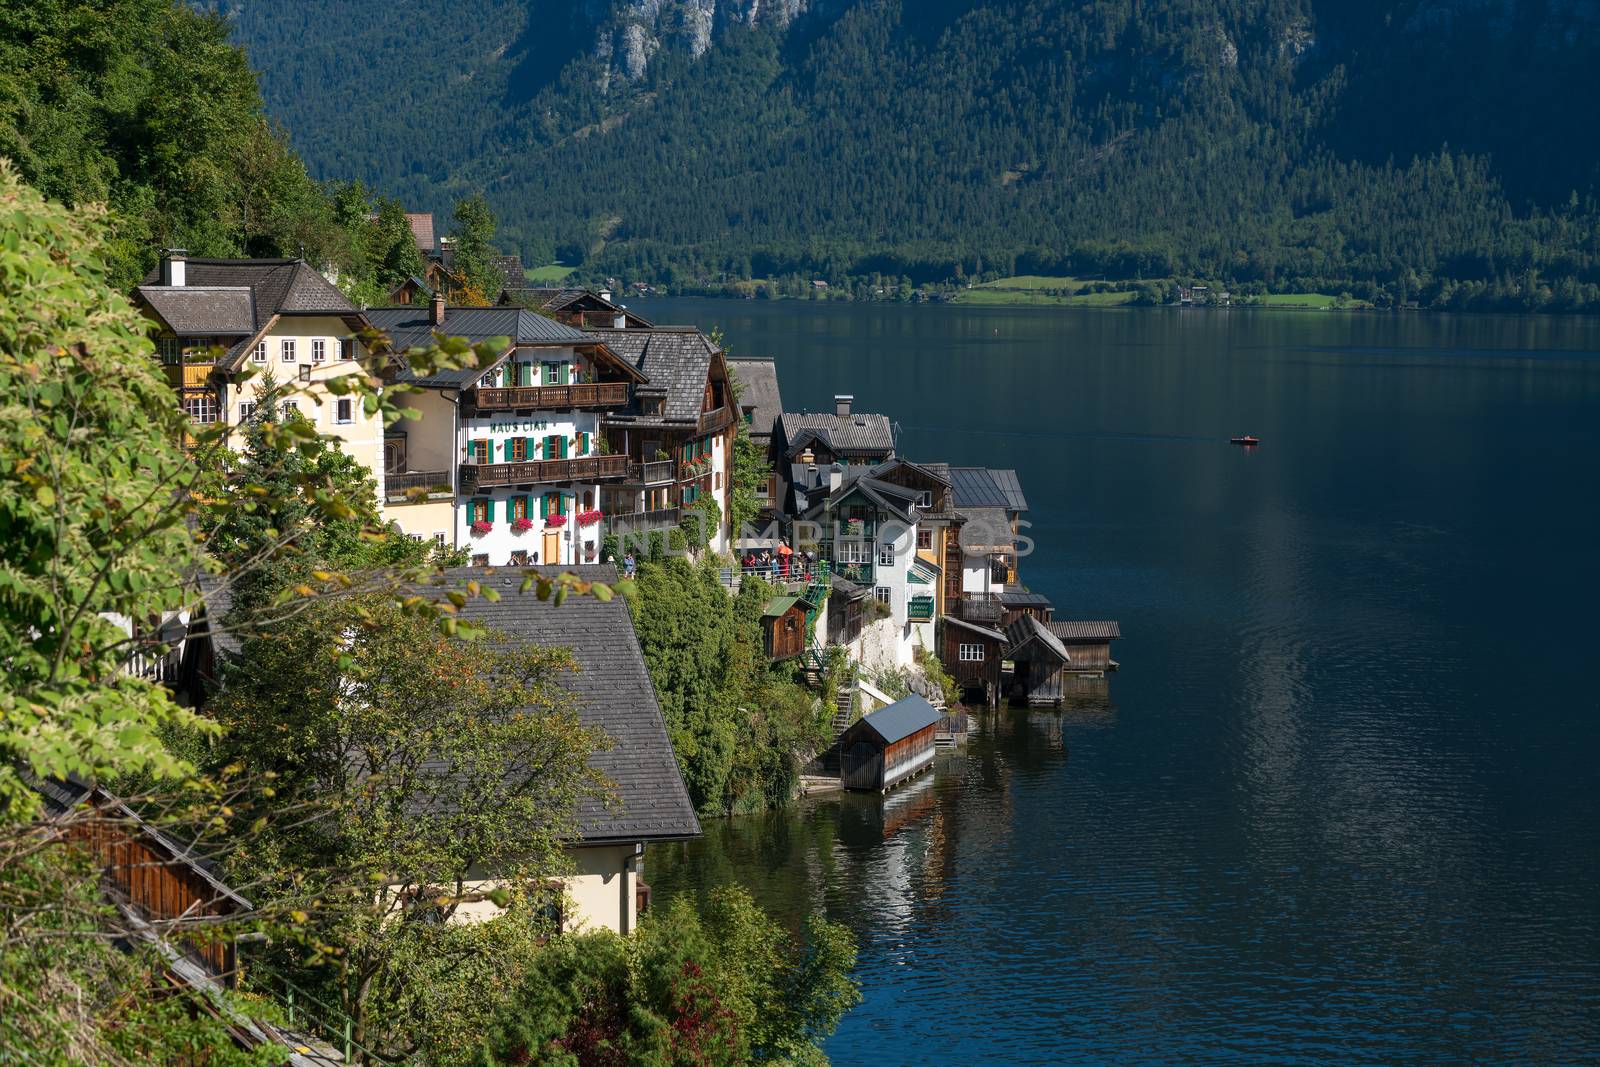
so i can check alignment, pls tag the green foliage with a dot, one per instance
(1297, 145)
(145, 106)
(436, 763)
(741, 727)
(92, 512)
(725, 987)
(474, 255)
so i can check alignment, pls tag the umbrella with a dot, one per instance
(785, 550)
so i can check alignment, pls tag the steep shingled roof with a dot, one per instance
(615, 694)
(1026, 630)
(203, 311)
(676, 360)
(1073, 630)
(280, 286)
(855, 434)
(412, 327)
(758, 389)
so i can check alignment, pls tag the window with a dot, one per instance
(971, 653)
(477, 451)
(343, 413)
(480, 559)
(882, 593)
(247, 410)
(319, 350)
(588, 552)
(171, 351)
(853, 551)
(201, 407)
(478, 511)
(347, 348)
(925, 499)
(286, 349)
(519, 507)
(518, 449)
(519, 558)
(305, 372)
(289, 408)
(555, 374)
(490, 380)
(555, 446)
(925, 539)
(438, 538)
(260, 353)
(886, 555)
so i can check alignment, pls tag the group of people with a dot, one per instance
(780, 563)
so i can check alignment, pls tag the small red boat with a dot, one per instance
(1247, 441)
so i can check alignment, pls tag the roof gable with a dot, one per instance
(203, 310)
(678, 361)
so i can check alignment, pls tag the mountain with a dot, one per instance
(1400, 148)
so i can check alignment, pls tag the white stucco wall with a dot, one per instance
(600, 891)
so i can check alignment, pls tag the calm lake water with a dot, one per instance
(1340, 804)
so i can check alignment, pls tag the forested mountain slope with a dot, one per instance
(1399, 145)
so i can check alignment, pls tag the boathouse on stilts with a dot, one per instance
(888, 746)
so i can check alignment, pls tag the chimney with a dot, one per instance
(812, 481)
(173, 262)
(835, 477)
(841, 404)
(436, 309)
(605, 294)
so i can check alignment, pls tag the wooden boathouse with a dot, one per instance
(885, 748)
(972, 655)
(1039, 661)
(1088, 643)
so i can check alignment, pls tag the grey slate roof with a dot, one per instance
(986, 631)
(1011, 487)
(675, 359)
(986, 528)
(902, 718)
(615, 695)
(895, 499)
(854, 434)
(1016, 598)
(281, 286)
(1071, 630)
(1026, 630)
(976, 488)
(203, 311)
(412, 327)
(758, 389)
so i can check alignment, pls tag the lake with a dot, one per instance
(1340, 803)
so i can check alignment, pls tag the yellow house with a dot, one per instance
(217, 320)
(650, 804)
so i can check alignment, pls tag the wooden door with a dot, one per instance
(552, 548)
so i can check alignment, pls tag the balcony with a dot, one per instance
(920, 609)
(657, 472)
(860, 573)
(982, 608)
(712, 421)
(397, 484)
(552, 397)
(476, 476)
(643, 521)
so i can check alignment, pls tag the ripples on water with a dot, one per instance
(1340, 805)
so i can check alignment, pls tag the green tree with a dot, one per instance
(438, 763)
(474, 261)
(725, 987)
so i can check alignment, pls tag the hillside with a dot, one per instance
(1398, 148)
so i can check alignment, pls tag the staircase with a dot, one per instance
(843, 704)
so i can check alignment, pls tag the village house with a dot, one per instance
(507, 460)
(676, 430)
(1038, 661)
(989, 505)
(760, 405)
(804, 442)
(1088, 642)
(583, 309)
(224, 328)
(615, 695)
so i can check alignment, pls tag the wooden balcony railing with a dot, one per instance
(981, 608)
(712, 421)
(588, 469)
(586, 395)
(656, 472)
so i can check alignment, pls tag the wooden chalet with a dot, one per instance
(888, 746)
(583, 309)
(783, 627)
(972, 655)
(1039, 661)
(164, 889)
(1088, 643)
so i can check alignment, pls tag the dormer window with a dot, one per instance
(925, 500)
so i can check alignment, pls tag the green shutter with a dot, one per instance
(488, 506)
(583, 444)
(563, 444)
(508, 450)
(527, 507)
(566, 374)
(544, 506)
